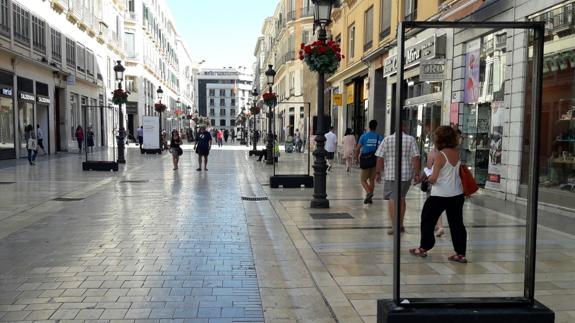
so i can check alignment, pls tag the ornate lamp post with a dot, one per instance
(270, 75)
(255, 96)
(322, 18)
(178, 120)
(160, 94)
(119, 72)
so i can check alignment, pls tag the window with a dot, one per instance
(213, 122)
(130, 45)
(222, 112)
(4, 18)
(368, 29)
(212, 103)
(81, 52)
(56, 45)
(410, 8)
(233, 103)
(222, 123)
(21, 21)
(233, 112)
(385, 23)
(70, 53)
(222, 102)
(89, 62)
(222, 92)
(212, 92)
(351, 41)
(305, 37)
(38, 35)
(212, 112)
(233, 123)
(232, 92)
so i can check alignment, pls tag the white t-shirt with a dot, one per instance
(330, 142)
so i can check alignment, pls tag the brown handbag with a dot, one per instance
(467, 181)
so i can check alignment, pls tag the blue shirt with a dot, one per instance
(369, 142)
(204, 140)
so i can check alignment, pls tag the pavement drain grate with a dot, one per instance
(330, 216)
(68, 199)
(254, 198)
(135, 181)
(7, 183)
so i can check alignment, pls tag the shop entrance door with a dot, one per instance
(25, 118)
(58, 119)
(42, 118)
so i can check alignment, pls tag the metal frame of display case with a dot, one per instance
(490, 309)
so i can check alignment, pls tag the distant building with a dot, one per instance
(222, 93)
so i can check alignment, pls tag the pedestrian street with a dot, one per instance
(150, 244)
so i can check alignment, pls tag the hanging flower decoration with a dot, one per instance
(255, 110)
(189, 117)
(119, 96)
(323, 57)
(178, 112)
(270, 99)
(160, 107)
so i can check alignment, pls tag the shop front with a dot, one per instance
(356, 105)
(26, 114)
(7, 130)
(557, 143)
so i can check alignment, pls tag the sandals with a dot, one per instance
(419, 252)
(457, 258)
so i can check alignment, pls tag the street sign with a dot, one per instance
(337, 100)
(432, 70)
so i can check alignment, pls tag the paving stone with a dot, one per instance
(113, 314)
(142, 313)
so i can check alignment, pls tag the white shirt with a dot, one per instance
(387, 150)
(39, 133)
(330, 142)
(140, 132)
(448, 182)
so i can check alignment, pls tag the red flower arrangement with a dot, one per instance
(189, 117)
(270, 99)
(119, 96)
(321, 57)
(160, 107)
(255, 110)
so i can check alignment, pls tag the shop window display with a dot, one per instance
(480, 117)
(6, 124)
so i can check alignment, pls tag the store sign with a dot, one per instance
(427, 49)
(7, 91)
(432, 70)
(71, 80)
(27, 97)
(132, 108)
(337, 98)
(43, 99)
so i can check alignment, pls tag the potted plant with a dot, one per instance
(119, 96)
(270, 99)
(160, 107)
(323, 57)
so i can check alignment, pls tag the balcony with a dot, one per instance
(559, 20)
(290, 16)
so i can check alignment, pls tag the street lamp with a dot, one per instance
(119, 73)
(255, 96)
(270, 75)
(160, 94)
(179, 117)
(322, 18)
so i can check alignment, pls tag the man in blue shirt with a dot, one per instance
(365, 153)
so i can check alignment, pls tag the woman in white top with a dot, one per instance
(348, 148)
(446, 195)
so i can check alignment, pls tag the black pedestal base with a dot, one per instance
(254, 152)
(464, 313)
(151, 151)
(291, 181)
(105, 166)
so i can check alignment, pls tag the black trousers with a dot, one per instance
(432, 209)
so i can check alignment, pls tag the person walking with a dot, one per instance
(141, 136)
(297, 141)
(219, 137)
(439, 230)
(410, 168)
(31, 144)
(226, 135)
(80, 138)
(365, 153)
(348, 146)
(40, 139)
(446, 195)
(90, 139)
(233, 135)
(330, 147)
(175, 149)
(202, 147)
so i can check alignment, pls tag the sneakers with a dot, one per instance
(368, 198)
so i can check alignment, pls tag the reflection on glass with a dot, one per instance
(6, 123)
(25, 117)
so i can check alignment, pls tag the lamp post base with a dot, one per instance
(319, 204)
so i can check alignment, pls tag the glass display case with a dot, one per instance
(474, 125)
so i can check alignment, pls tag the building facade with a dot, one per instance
(222, 94)
(56, 61)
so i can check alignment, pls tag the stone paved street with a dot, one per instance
(148, 244)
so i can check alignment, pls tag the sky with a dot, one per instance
(221, 32)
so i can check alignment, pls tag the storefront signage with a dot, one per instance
(132, 108)
(7, 91)
(427, 49)
(43, 99)
(27, 97)
(337, 98)
(432, 70)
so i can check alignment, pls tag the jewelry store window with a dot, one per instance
(480, 119)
